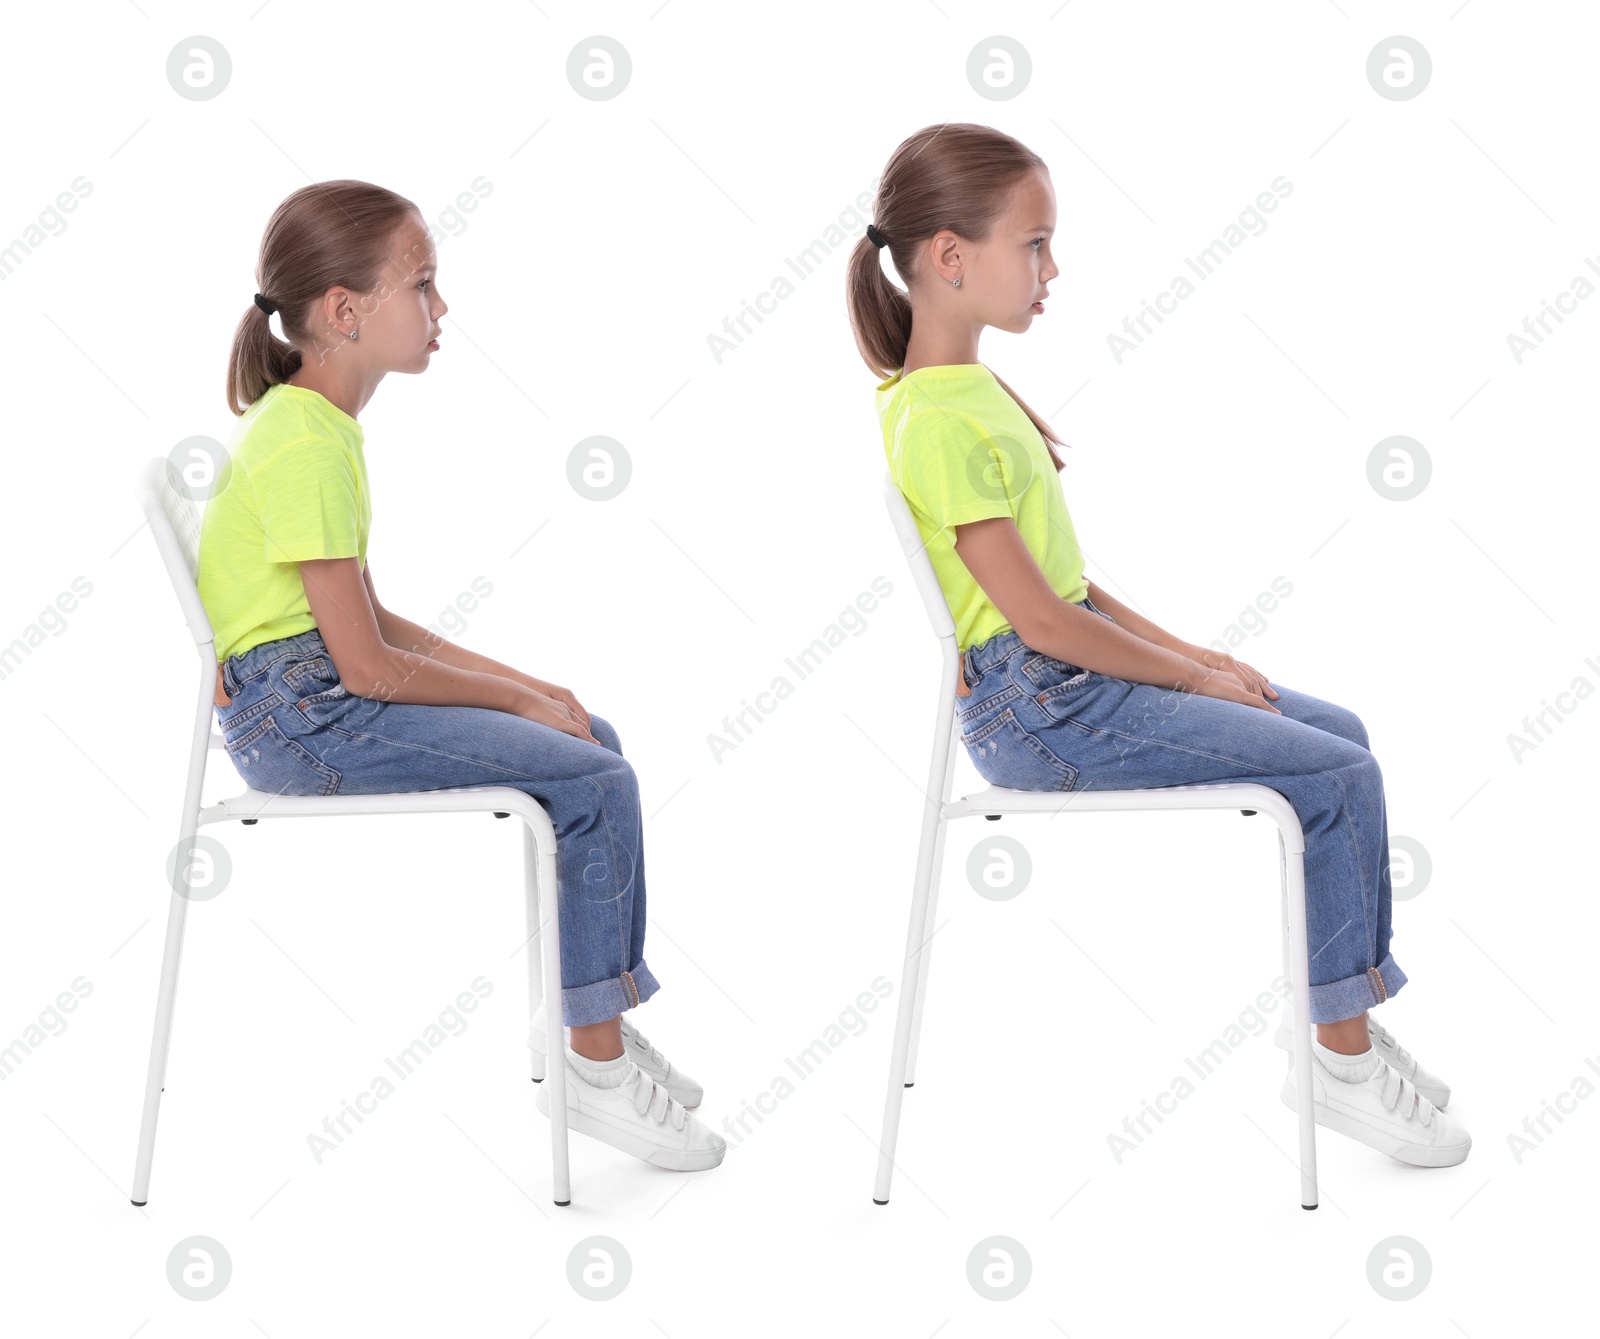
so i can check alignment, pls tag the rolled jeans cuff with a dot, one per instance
(605, 1000)
(1338, 1000)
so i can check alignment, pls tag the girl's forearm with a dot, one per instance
(404, 635)
(401, 676)
(1138, 624)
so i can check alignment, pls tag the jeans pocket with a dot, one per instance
(1045, 672)
(1065, 697)
(310, 675)
(268, 760)
(318, 695)
(1006, 754)
(977, 714)
(244, 711)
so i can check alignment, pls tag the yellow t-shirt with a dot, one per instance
(961, 449)
(295, 489)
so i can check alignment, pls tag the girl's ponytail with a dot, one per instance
(957, 176)
(259, 359)
(880, 313)
(326, 235)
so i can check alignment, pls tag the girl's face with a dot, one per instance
(400, 318)
(1010, 270)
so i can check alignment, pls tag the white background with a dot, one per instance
(1231, 449)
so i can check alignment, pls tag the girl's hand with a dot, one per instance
(564, 696)
(1228, 682)
(1251, 678)
(560, 694)
(547, 710)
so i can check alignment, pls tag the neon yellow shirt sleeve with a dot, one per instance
(308, 499)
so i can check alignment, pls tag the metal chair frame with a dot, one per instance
(175, 525)
(939, 810)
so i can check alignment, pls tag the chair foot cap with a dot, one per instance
(876, 1200)
(563, 1203)
(138, 1204)
(1308, 1206)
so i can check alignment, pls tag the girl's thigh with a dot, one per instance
(1328, 716)
(376, 747)
(1070, 729)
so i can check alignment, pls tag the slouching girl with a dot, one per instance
(323, 690)
(1063, 687)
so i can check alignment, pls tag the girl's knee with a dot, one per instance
(1341, 721)
(605, 732)
(1352, 728)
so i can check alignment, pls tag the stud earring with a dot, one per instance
(956, 282)
(354, 333)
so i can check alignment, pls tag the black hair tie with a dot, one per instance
(265, 306)
(875, 237)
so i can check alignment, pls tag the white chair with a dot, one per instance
(993, 801)
(175, 523)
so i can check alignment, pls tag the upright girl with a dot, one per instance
(322, 690)
(1063, 687)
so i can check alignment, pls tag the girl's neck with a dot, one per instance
(947, 352)
(340, 392)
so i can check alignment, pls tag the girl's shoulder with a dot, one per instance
(288, 416)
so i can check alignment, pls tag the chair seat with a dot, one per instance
(1209, 795)
(451, 799)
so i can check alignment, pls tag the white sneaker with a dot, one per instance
(1390, 1051)
(679, 1085)
(639, 1118)
(1385, 1112)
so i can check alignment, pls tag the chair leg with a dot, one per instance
(928, 925)
(1293, 869)
(933, 824)
(1283, 921)
(534, 946)
(541, 879)
(156, 1073)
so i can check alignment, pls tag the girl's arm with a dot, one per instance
(1141, 626)
(405, 635)
(1002, 564)
(368, 666)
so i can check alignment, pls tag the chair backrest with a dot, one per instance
(942, 765)
(175, 524)
(916, 553)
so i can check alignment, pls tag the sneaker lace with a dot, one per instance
(650, 1097)
(1399, 1093)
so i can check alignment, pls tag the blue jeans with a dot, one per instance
(292, 728)
(1037, 723)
